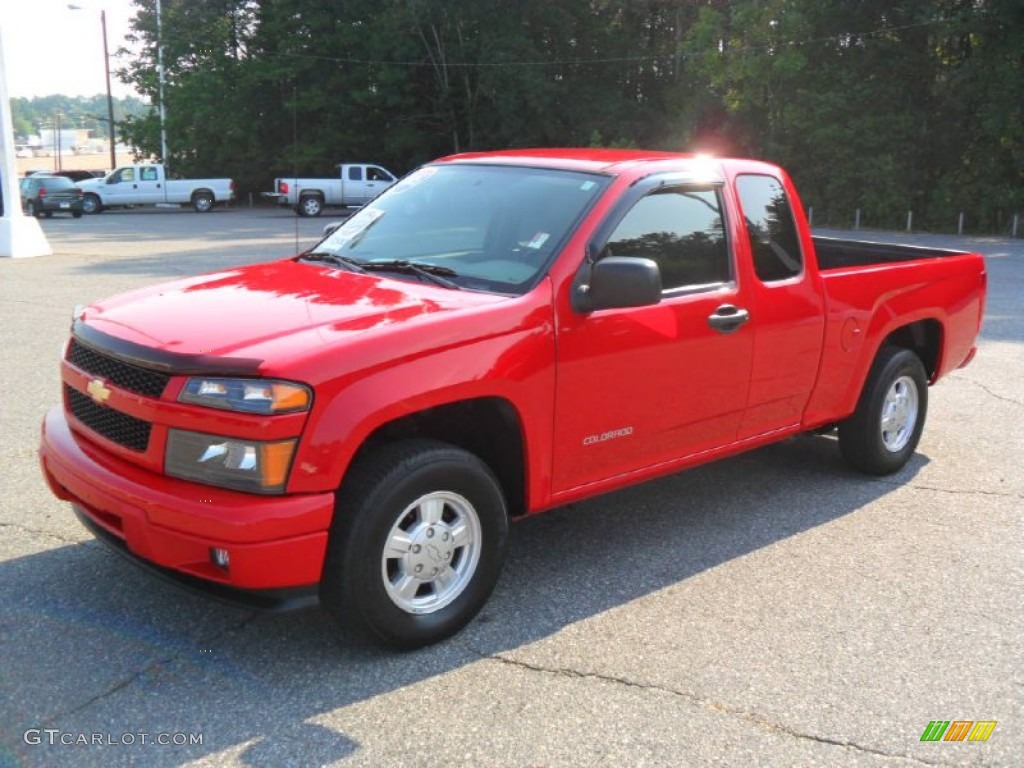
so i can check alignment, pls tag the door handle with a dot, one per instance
(727, 318)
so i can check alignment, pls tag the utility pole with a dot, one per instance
(110, 97)
(160, 71)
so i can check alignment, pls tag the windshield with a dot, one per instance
(492, 228)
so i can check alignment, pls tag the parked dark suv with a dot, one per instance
(47, 195)
(75, 176)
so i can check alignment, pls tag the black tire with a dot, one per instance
(76, 214)
(391, 495)
(310, 205)
(30, 209)
(203, 201)
(91, 204)
(883, 433)
(48, 214)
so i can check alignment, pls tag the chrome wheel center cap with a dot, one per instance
(431, 552)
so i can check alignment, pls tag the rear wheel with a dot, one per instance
(416, 546)
(883, 433)
(76, 214)
(309, 205)
(202, 201)
(30, 209)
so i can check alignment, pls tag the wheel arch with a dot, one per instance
(488, 427)
(923, 338)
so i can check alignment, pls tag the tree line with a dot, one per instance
(29, 115)
(878, 106)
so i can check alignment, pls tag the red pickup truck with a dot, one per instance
(496, 335)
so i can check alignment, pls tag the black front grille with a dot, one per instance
(125, 375)
(119, 427)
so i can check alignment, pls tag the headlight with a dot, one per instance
(264, 396)
(244, 465)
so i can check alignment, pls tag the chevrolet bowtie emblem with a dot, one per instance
(98, 391)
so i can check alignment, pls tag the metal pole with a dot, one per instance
(160, 71)
(960, 224)
(810, 216)
(57, 142)
(110, 97)
(856, 219)
(910, 220)
(1016, 220)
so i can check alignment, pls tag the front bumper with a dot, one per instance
(275, 542)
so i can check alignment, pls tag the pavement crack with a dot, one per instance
(953, 491)
(985, 387)
(130, 680)
(712, 706)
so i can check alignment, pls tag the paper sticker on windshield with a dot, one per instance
(538, 240)
(586, 186)
(356, 223)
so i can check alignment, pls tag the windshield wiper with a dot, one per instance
(352, 265)
(432, 272)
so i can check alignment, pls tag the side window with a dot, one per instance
(774, 243)
(377, 174)
(681, 229)
(148, 174)
(128, 174)
(355, 173)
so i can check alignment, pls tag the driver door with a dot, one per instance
(638, 387)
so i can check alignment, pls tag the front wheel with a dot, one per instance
(91, 204)
(416, 546)
(882, 434)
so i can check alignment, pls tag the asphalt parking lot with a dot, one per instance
(775, 609)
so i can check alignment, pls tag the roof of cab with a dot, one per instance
(592, 160)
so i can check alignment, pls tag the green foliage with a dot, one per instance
(872, 105)
(90, 112)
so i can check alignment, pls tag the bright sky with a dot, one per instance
(49, 48)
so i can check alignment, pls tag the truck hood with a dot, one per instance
(254, 313)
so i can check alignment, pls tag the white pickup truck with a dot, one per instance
(148, 185)
(356, 185)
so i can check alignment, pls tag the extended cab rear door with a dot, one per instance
(362, 183)
(786, 302)
(640, 386)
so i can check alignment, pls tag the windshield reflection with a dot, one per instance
(496, 228)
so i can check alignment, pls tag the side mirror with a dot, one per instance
(113, 179)
(617, 282)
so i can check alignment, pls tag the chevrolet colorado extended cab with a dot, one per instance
(496, 335)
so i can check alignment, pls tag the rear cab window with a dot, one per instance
(774, 241)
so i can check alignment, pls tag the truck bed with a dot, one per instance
(837, 253)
